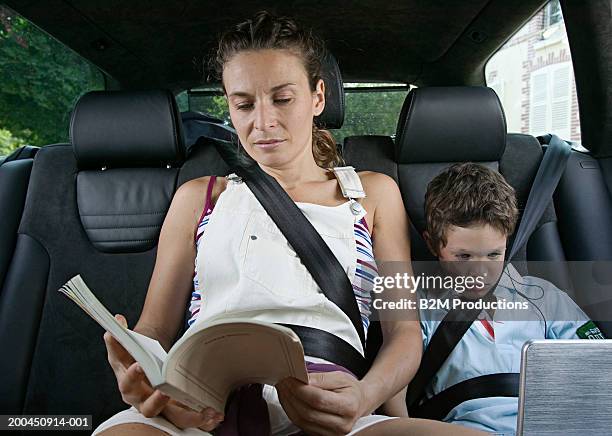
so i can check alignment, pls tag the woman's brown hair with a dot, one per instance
(265, 31)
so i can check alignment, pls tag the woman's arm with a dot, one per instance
(171, 282)
(164, 308)
(332, 402)
(400, 354)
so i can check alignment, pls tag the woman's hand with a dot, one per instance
(184, 417)
(329, 405)
(137, 391)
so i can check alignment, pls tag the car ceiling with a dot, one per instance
(154, 43)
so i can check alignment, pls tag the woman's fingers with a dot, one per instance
(211, 417)
(330, 380)
(131, 380)
(315, 397)
(135, 377)
(210, 424)
(137, 391)
(118, 357)
(121, 320)
(154, 404)
(308, 418)
(183, 417)
(134, 386)
(209, 411)
(292, 406)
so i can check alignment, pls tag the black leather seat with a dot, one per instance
(14, 177)
(439, 126)
(584, 197)
(198, 124)
(93, 208)
(332, 116)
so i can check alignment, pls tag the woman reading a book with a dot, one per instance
(270, 71)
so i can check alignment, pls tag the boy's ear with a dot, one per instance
(428, 242)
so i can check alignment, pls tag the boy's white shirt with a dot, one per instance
(479, 354)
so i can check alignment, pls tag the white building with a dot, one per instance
(533, 76)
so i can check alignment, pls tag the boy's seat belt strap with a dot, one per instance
(453, 326)
(447, 335)
(484, 386)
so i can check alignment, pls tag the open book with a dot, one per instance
(209, 361)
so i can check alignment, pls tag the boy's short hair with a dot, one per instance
(465, 194)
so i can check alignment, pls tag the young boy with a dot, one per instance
(471, 211)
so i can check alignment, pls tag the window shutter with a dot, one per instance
(560, 116)
(539, 103)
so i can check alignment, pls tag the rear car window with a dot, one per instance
(209, 100)
(533, 76)
(371, 108)
(40, 80)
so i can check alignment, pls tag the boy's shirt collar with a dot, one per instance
(510, 278)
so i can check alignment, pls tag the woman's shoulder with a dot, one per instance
(383, 198)
(195, 190)
(377, 184)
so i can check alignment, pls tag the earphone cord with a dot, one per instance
(531, 300)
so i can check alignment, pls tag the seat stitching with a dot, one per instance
(125, 240)
(125, 214)
(123, 227)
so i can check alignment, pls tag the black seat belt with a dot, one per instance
(316, 256)
(448, 334)
(489, 385)
(324, 345)
(457, 322)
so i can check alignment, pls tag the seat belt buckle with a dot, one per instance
(349, 181)
(234, 178)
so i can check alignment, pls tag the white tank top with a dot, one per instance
(245, 267)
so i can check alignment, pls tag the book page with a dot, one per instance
(220, 357)
(153, 346)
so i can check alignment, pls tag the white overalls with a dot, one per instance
(246, 268)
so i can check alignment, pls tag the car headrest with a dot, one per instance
(451, 124)
(126, 129)
(332, 116)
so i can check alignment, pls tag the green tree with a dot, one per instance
(371, 113)
(40, 80)
(8, 142)
(218, 108)
(213, 105)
